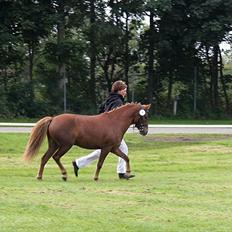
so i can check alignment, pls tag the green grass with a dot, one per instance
(183, 183)
(155, 120)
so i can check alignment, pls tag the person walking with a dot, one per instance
(114, 100)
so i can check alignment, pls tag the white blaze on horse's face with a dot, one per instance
(142, 112)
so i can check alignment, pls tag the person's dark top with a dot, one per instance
(113, 101)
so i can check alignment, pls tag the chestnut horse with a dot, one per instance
(104, 131)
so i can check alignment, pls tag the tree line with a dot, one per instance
(63, 55)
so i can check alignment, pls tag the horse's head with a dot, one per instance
(141, 119)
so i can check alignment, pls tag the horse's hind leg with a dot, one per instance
(62, 150)
(52, 147)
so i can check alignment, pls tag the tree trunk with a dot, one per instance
(60, 40)
(215, 78)
(92, 54)
(151, 59)
(31, 64)
(5, 79)
(31, 60)
(61, 37)
(169, 100)
(112, 68)
(106, 69)
(211, 78)
(106, 74)
(126, 56)
(223, 83)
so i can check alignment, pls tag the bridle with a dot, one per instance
(140, 122)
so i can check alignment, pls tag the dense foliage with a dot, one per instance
(63, 55)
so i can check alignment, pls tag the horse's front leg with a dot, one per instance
(101, 159)
(119, 153)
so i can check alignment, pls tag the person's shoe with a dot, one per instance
(75, 168)
(125, 176)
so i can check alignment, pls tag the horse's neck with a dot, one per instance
(124, 118)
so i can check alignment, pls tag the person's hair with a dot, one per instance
(118, 86)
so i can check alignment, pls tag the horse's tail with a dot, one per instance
(37, 136)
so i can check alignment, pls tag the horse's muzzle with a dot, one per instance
(144, 131)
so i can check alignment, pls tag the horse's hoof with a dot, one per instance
(39, 177)
(64, 178)
(95, 178)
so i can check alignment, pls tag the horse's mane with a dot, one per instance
(123, 106)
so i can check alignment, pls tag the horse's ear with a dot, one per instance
(147, 107)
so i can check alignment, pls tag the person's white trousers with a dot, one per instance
(86, 160)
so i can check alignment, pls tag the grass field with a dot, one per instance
(183, 183)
